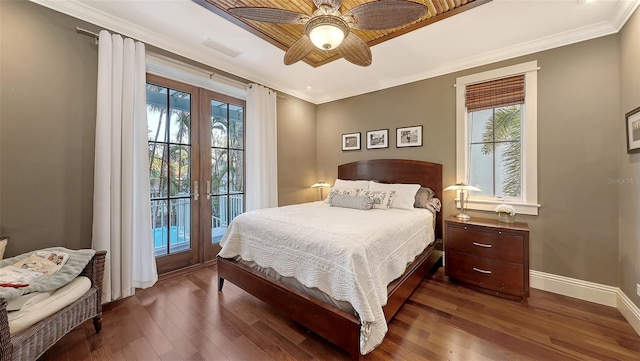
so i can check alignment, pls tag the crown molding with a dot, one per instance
(79, 10)
(99, 18)
(622, 13)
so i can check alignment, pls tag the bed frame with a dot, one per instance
(337, 326)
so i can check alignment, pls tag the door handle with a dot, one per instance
(196, 191)
(209, 194)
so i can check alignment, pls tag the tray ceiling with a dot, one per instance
(283, 36)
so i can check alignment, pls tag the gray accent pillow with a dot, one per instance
(423, 196)
(347, 201)
(381, 199)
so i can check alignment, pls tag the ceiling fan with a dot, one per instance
(329, 29)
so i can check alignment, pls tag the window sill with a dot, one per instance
(490, 205)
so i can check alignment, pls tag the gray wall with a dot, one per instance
(47, 126)
(296, 151)
(629, 164)
(47, 116)
(47, 131)
(576, 232)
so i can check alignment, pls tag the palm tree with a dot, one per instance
(504, 128)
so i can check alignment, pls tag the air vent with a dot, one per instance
(210, 43)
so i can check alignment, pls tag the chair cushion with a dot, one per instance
(59, 299)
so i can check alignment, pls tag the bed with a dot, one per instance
(326, 319)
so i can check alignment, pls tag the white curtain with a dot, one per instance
(121, 201)
(261, 148)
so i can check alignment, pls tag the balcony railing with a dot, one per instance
(176, 237)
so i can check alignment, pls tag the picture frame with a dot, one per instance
(632, 123)
(351, 141)
(409, 136)
(377, 139)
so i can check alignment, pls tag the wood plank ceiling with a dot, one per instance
(283, 35)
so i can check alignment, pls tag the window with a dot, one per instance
(496, 137)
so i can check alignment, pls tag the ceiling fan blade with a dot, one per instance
(270, 15)
(386, 14)
(355, 50)
(335, 4)
(298, 50)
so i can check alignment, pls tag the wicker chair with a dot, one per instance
(31, 343)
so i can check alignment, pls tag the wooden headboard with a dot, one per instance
(398, 171)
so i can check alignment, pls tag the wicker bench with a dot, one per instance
(32, 342)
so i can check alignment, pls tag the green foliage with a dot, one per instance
(504, 128)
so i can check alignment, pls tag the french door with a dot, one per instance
(196, 154)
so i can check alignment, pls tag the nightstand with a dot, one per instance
(488, 255)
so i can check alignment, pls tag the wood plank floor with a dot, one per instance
(185, 318)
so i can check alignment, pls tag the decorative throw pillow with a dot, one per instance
(347, 191)
(381, 199)
(356, 202)
(434, 205)
(3, 246)
(405, 195)
(352, 184)
(423, 196)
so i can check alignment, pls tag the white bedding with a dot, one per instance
(352, 255)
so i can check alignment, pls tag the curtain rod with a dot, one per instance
(86, 32)
(212, 74)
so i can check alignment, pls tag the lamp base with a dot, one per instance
(463, 216)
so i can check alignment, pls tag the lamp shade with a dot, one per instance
(321, 184)
(462, 186)
(326, 37)
(326, 31)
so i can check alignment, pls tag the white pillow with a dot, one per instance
(405, 195)
(353, 184)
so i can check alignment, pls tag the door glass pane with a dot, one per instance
(219, 181)
(180, 225)
(236, 205)
(158, 170)
(236, 127)
(180, 179)
(157, 106)
(180, 106)
(159, 217)
(219, 222)
(219, 129)
(236, 171)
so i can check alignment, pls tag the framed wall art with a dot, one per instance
(632, 123)
(351, 141)
(378, 139)
(409, 136)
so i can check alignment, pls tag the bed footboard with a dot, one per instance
(329, 322)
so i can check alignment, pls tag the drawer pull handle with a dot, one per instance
(482, 271)
(482, 245)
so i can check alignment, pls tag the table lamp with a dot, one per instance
(321, 185)
(462, 188)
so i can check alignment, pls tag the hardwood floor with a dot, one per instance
(185, 318)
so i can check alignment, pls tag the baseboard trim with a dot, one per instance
(583, 290)
(629, 310)
(588, 291)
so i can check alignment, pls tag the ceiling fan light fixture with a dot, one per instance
(326, 31)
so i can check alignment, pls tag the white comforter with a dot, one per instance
(352, 255)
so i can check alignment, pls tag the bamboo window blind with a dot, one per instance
(495, 93)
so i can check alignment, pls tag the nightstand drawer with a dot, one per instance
(485, 243)
(502, 277)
